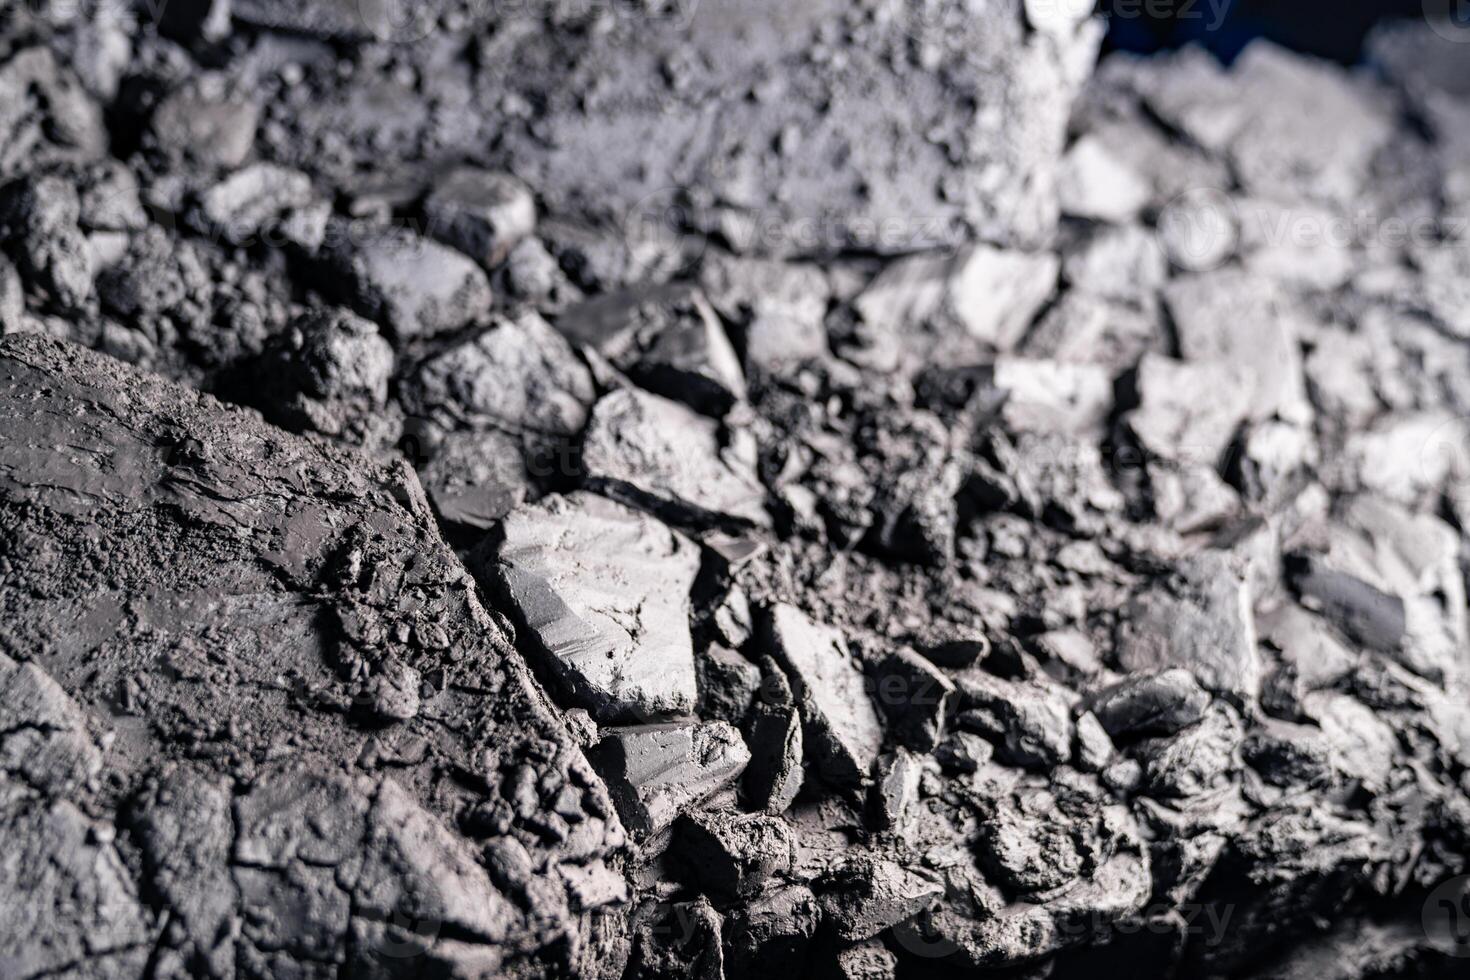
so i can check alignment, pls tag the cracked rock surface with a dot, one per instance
(727, 490)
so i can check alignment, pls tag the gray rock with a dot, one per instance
(771, 931)
(1172, 420)
(38, 222)
(666, 338)
(915, 697)
(259, 205)
(347, 20)
(1029, 722)
(774, 734)
(657, 772)
(1159, 704)
(213, 132)
(733, 854)
(80, 905)
(475, 479)
(1201, 619)
(481, 213)
(728, 684)
(328, 373)
(602, 591)
(651, 450)
(842, 730)
(989, 293)
(866, 896)
(520, 377)
(412, 286)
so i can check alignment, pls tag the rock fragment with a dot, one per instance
(1201, 620)
(603, 592)
(842, 730)
(666, 338)
(652, 450)
(480, 213)
(657, 772)
(414, 287)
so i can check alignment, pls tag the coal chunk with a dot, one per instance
(603, 591)
(410, 285)
(842, 730)
(653, 450)
(481, 213)
(666, 338)
(657, 772)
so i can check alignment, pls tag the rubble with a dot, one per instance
(838, 490)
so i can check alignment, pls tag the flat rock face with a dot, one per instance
(188, 564)
(651, 449)
(604, 593)
(656, 772)
(782, 146)
(843, 730)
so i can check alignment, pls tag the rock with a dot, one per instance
(681, 939)
(657, 452)
(210, 132)
(327, 373)
(870, 960)
(667, 339)
(38, 224)
(519, 377)
(264, 204)
(774, 734)
(1194, 759)
(80, 903)
(791, 171)
(915, 697)
(865, 896)
(771, 932)
(1151, 704)
(475, 479)
(1030, 724)
(1227, 317)
(345, 20)
(1172, 422)
(1200, 620)
(48, 115)
(728, 685)
(730, 854)
(1124, 265)
(44, 739)
(779, 308)
(657, 772)
(896, 790)
(841, 727)
(992, 294)
(1097, 185)
(481, 213)
(603, 593)
(309, 570)
(1094, 751)
(412, 286)
(1360, 745)
(1052, 397)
